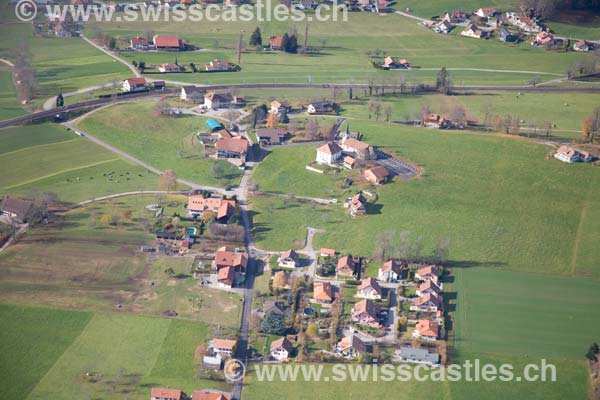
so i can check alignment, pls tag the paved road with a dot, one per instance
(135, 72)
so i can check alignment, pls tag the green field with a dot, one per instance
(428, 9)
(66, 355)
(48, 158)
(9, 105)
(483, 192)
(163, 142)
(524, 314)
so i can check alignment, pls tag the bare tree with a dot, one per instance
(168, 181)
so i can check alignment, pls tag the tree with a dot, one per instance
(442, 83)
(593, 351)
(168, 181)
(323, 40)
(458, 114)
(312, 330)
(591, 126)
(272, 120)
(291, 46)
(284, 119)
(280, 280)
(586, 134)
(273, 324)
(170, 272)
(217, 171)
(256, 38)
(60, 101)
(441, 250)
(387, 112)
(142, 66)
(312, 129)
(284, 41)
(126, 214)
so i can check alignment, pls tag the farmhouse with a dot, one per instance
(170, 68)
(134, 85)
(197, 204)
(219, 65)
(167, 42)
(320, 107)
(323, 292)
(18, 209)
(390, 271)
(138, 43)
(356, 148)
(272, 306)
(288, 259)
(351, 346)
(215, 101)
(369, 289)
(473, 31)
(329, 153)
(191, 93)
(281, 349)
(227, 257)
(419, 356)
(276, 42)
(523, 22)
(349, 162)
(377, 175)
(226, 277)
(356, 205)
(166, 394)
(280, 106)
(455, 16)
(443, 27)
(345, 266)
(210, 395)
(429, 302)
(570, 155)
(582, 45)
(365, 313)
(271, 136)
(391, 63)
(427, 330)
(435, 121)
(235, 147)
(505, 36)
(543, 39)
(222, 347)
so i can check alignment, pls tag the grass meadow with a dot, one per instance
(9, 104)
(47, 157)
(163, 142)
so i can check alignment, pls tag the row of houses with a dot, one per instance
(429, 300)
(176, 394)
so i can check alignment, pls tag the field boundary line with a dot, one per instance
(62, 172)
(39, 145)
(84, 330)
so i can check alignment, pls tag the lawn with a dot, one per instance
(507, 312)
(9, 104)
(163, 142)
(31, 341)
(483, 192)
(46, 157)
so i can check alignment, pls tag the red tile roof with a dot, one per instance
(238, 144)
(166, 41)
(162, 393)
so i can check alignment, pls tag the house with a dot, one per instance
(281, 349)
(139, 43)
(219, 65)
(323, 292)
(288, 259)
(523, 22)
(223, 347)
(345, 266)
(227, 257)
(356, 148)
(455, 16)
(170, 68)
(215, 101)
(419, 356)
(191, 93)
(273, 306)
(443, 27)
(473, 31)
(543, 39)
(430, 302)
(325, 252)
(158, 85)
(356, 205)
(485, 12)
(226, 277)
(391, 63)
(211, 395)
(427, 330)
(223, 208)
(166, 394)
(377, 175)
(134, 85)
(320, 107)
(280, 106)
(428, 287)
(435, 121)
(369, 289)
(582, 45)
(505, 36)
(365, 313)
(235, 147)
(390, 271)
(349, 162)
(329, 153)
(17, 209)
(276, 42)
(351, 346)
(428, 272)
(167, 42)
(271, 136)
(569, 155)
